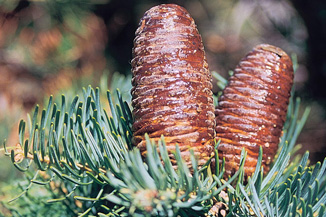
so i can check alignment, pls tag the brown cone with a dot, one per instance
(253, 107)
(172, 88)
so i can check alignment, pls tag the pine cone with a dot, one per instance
(253, 107)
(172, 86)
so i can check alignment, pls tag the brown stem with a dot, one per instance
(19, 156)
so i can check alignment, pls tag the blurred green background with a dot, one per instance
(59, 46)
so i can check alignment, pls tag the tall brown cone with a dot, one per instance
(172, 86)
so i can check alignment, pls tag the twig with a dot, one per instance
(19, 156)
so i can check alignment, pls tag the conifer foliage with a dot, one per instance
(84, 149)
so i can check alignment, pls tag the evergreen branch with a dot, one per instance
(154, 188)
(70, 143)
(18, 152)
(82, 146)
(87, 150)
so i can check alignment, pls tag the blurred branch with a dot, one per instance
(314, 16)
